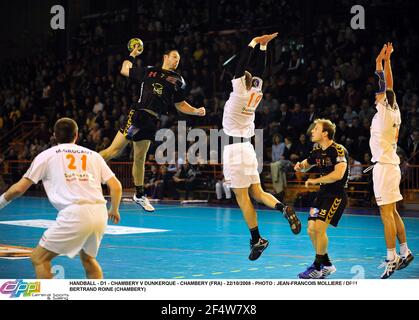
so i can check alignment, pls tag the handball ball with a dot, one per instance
(133, 42)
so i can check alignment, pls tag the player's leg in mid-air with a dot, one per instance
(138, 169)
(140, 128)
(258, 194)
(116, 148)
(257, 243)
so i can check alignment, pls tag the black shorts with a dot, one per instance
(328, 209)
(140, 125)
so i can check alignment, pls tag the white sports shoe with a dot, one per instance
(144, 203)
(390, 267)
(327, 271)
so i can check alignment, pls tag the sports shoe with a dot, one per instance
(390, 267)
(405, 261)
(256, 249)
(295, 224)
(327, 270)
(144, 203)
(311, 273)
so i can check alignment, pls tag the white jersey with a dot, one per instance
(385, 133)
(71, 174)
(239, 110)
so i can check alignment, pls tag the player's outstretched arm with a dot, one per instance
(387, 66)
(15, 191)
(246, 54)
(261, 61)
(186, 108)
(128, 63)
(379, 72)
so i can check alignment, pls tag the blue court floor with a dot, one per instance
(203, 242)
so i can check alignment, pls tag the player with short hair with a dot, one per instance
(72, 177)
(386, 173)
(239, 157)
(332, 160)
(159, 89)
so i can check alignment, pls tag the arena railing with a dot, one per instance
(359, 191)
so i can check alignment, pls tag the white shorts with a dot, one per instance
(78, 227)
(240, 165)
(386, 179)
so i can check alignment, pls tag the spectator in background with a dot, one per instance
(185, 179)
(352, 97)
(290, 148)
(278, 148)
(349, 115)
(303, 147)
(312, 113)
(337, 82)
(154, 176)
(366, 111)
(163, 183)
(98, 107)
(413, 145)
(355, 172)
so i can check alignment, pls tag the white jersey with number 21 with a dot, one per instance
(71, 174)
(239, 110)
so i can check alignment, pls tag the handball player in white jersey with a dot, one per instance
(386, 173)
(72, 176)
(240, 165)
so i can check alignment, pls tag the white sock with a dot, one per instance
(404, 250)
(391, 254)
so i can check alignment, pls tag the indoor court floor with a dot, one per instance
(204, 242)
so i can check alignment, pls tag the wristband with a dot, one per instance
(131, 59)
(381, 82)
(253, 44)
(3, 201)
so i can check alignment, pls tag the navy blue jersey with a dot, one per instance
(326, 160)
(158, 89)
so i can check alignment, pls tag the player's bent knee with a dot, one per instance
(37, 257)
(258, 195)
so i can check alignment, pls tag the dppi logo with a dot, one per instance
(18, 287)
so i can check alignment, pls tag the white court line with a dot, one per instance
(113, 230)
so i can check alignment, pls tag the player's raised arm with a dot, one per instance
(246, 54)
(128, 63)
(261, 61)
(387, 66)
(379, 72)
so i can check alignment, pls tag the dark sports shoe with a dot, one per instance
(256, 249)
(295, 223)
(405, 261)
